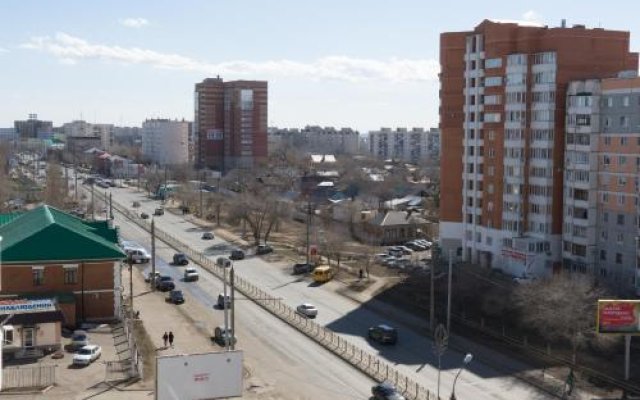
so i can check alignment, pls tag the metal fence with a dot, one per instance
(31, 376)
(369, 364)
(133, 366)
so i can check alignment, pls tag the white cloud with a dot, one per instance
(134, 22)
(3, 50)
(532, 16)
(67, 47)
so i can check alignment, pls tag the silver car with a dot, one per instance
(307, 310)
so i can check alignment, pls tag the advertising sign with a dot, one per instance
(26, 306)
(199, 376)
(619, 316)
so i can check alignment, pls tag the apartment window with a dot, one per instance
(490, 188)
(544, 77)
(607, 122)
(609, 101)
(620, 219)
(622, 160)
(603, 255)
(492, 99)
(516, 79)
(620, 238)
(618, 258)
(517, 59)
(492, 135)
(493, 81)
(607, 140)
(625, 101)
(492, 117)
(622, 181)
(8, 337)
(548, 57)
(493, 63)
(620, 199)
(70, 274)
(491, 170)
(605, 197)
(38, 276)
(606, 160)
(605, 217)
(624, 122)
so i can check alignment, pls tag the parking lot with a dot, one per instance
(413, 255)
(73, 382)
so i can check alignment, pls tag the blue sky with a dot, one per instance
(344, 63)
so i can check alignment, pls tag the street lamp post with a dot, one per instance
(467, 359)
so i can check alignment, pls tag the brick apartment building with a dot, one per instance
(230, 124)
(502, 113)
(47, 253)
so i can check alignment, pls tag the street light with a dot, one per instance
(467, 359)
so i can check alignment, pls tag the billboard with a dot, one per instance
(199, 376)
(619, 316)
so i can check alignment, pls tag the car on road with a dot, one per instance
(236, 255)
(207, 236)
(144, 215)
(302, 268)
(87, 354)
(223, 262)
(223, 336)
(135, 204)
(384, 334)
(180, 259)
(386, 391)
(264, 249)
(158, 211)
(322, 274)
(191, 274)
(79, 338)
(307, 310)
(222, 301)
(138, 256)
(151, 276)
(165, 283)
(175, 297)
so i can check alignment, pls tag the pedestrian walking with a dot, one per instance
(361, 273)
(171, 339)
(165, 337)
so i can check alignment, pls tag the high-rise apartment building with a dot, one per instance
(602, 168)
(32, 128)
(230, 125)
(502, 111)
(83, 128)
(315, 139)
(402, 144)
(166, 142)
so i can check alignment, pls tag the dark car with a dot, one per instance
(223, 302)
(237, 255)
(302, 268)
(165, 283)
(135, 204)
(159, 211)
(207, 236)
(384, 334)
(224, 336)
(386, 391)
(180, 259)
(144, 215)
(176, 297)
(264, 249)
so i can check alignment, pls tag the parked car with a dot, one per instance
(207, 236)
(87, 354)
(223, 302)
(165, 283)
(264, 249)
(135, 204)
(191, 274)
(223, 336)
(302, 268)
(158, 211)
(236, 255)
(223, 262)
(386, 391)
(151, 277)
(175, 297)
(405, 250)
(180, 259)
(396, 252)
(79, 338)
(144, 215)
(384, 334)
(307, 310)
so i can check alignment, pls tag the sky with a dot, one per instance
(363, 64)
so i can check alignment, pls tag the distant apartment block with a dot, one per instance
(32, 128)
(315, 139)
(502, 120)
(106, 132)
(602, 166)
(230, 125)
(165, 142)
(411, 146)
(7, 134)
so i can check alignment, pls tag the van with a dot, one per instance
(322, 274)
(223, 262)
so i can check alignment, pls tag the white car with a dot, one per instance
(139, 255)
(191, 274)
(405, 250)
(307, 310)
(87, 354)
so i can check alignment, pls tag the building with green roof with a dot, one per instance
(47, 252)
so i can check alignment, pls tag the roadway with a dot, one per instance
(412, 355)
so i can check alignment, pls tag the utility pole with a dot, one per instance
(130, 262)
(166, 192)
(432, 303)
(75, 186)
(226, 309)
(93, 210)
(308, 227)
(201, 178)
(110, 205)
(449, 291)
(153, 255)
(233, 308)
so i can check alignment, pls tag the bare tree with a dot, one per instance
(260, 212)
(561, 308)
(56, 190)
(334, 241)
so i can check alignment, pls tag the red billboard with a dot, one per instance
(619, 316)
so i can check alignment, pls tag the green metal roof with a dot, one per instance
(6, 218)
(47, 234)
